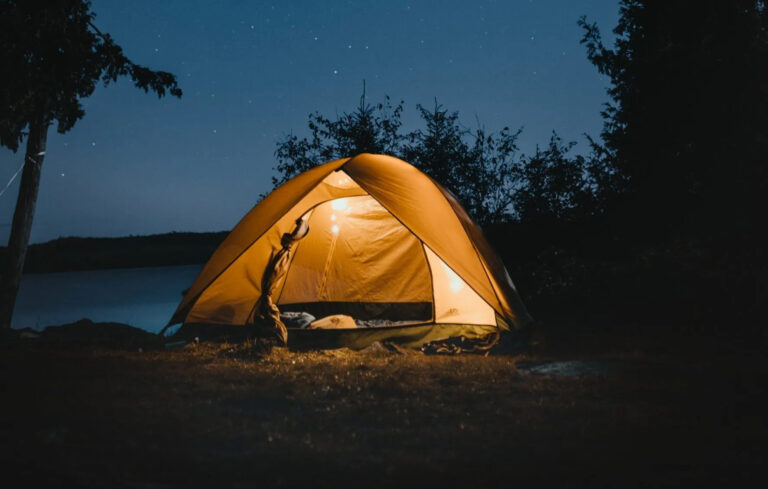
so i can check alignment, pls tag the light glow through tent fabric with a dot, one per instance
(382, 237)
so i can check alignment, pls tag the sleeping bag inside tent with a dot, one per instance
(354, 251)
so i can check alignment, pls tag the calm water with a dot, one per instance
(141, 297)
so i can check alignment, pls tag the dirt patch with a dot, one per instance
(225, 415)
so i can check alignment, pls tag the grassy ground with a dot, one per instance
(666, 413)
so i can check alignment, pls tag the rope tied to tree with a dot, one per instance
(13, 177)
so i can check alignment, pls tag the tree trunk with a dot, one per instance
(22, 221)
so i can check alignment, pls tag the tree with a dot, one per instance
(440, 149)
(555, 188)
(491, 181)
(369, 129)
(479, 172)
(475, 166)
(552, 184)
(484, 170)
(51, 56)
(688, 117)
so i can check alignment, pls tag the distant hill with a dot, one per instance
(69, 254)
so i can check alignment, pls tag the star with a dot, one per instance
(335, 72)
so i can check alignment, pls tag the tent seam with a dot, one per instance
(431, 275)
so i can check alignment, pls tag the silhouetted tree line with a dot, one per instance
(157, 250)
(687, 131)
(486, 171)
(687, 124)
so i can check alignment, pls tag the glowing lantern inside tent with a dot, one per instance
(339, 204)
(400, 230)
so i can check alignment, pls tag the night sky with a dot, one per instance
(251, 73)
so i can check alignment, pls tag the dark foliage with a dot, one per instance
(368, 129)
(687, 131)
(688, 120)
(52, 56)
(485, 171)
(478, 167)
(555, 188)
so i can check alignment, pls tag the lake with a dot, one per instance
(142, 297)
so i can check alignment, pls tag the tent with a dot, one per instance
(369, 237)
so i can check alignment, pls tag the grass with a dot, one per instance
(668, 412)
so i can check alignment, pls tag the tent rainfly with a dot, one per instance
(371, 241)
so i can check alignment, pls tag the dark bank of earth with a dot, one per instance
(663, 412)
(86, 333)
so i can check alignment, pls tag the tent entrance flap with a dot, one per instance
(265, 311)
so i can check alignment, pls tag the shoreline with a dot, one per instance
(71, 254)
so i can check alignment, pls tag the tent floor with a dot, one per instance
(409, 336)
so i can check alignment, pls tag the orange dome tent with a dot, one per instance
(384, 241)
